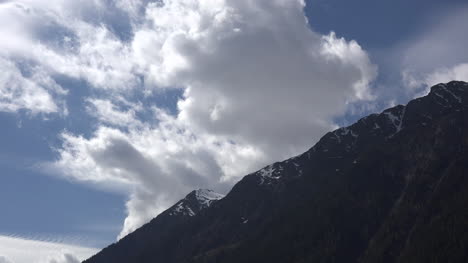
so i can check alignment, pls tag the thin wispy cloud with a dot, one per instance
(17, 250)
(438, 54)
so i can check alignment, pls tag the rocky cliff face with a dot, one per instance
(392, 187)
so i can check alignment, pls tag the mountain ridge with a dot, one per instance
(361, 194)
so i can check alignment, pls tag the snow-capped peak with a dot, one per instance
(195, 202)
(205, 197)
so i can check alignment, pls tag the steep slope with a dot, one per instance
(390, 188)
(129, 248)
(193, 203)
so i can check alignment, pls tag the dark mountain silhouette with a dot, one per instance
(392, 187)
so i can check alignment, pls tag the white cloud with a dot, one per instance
(424, 81)
(458, 72)
(34, 92)
(438, 54)
(15, 250)
(62, 37)
(259, 85)
(90, 40)
(155, 164)
(109, 113)
(64, 258)
(249, 64)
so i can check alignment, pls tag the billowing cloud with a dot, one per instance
(248, 64)
(258, 85)
(156, 164)
(439, 75)
(458, 72)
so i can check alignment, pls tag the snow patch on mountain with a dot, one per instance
(444, 89)
(205, 197)
(274, 172)
(195, 202)
(396, 119)
(268, 173)
(182, 209)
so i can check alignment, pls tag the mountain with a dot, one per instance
(193, 203)
(393, 187)
(131, 247)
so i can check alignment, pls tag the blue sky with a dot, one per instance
(110, 111)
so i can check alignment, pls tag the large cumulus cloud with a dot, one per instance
(254, 70)
(155, 164)
(258, 85)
